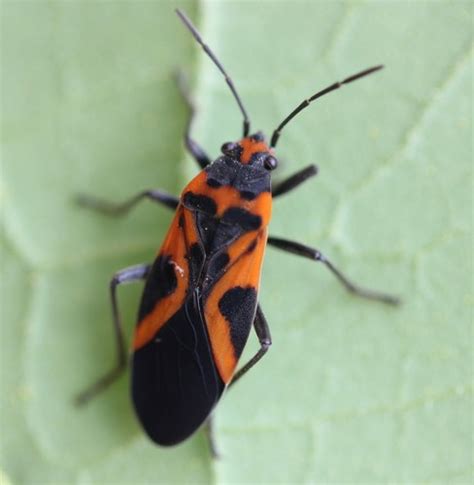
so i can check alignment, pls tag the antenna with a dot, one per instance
(307, 102)
(214, 59)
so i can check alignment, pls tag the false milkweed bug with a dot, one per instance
(201, 293)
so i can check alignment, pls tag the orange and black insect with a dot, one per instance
(200, 299)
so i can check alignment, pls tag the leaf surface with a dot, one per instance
(351, 391)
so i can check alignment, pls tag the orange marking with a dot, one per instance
(250, 146)
(239, 246)
(244, 273)
(175, 245)
(224, 197)
(227, 196)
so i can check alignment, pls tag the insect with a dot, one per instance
(200, 298)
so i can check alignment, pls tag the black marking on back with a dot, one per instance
(200, 203)
(213, 234)
(207, 227)
(222, 171)
(161, 282)
(214, 183)
(225, 235)
(242, 218)
(249, 180)
(248, 195)
(216, 266)
(195, 258)
(238, 306)
(252, 181)
(251, 247)
(175, 384)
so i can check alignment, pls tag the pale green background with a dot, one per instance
(351, 391)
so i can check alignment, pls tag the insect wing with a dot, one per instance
(175, 383)
(230, 307)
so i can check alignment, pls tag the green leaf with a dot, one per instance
(351, 391)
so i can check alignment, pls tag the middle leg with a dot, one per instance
(316, 255)
(121, 208)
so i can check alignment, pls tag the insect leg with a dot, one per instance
(127, 275)
(316, 255)
(294, 180)
(121, 208)
(196, 151)
(263, 333)
(264, 337)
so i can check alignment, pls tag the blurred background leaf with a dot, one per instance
(351, 391)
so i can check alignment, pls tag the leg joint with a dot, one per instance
(115, 281)
(319, 256)
(265, 344)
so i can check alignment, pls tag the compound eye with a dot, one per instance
(270, 163)
(228, 148)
